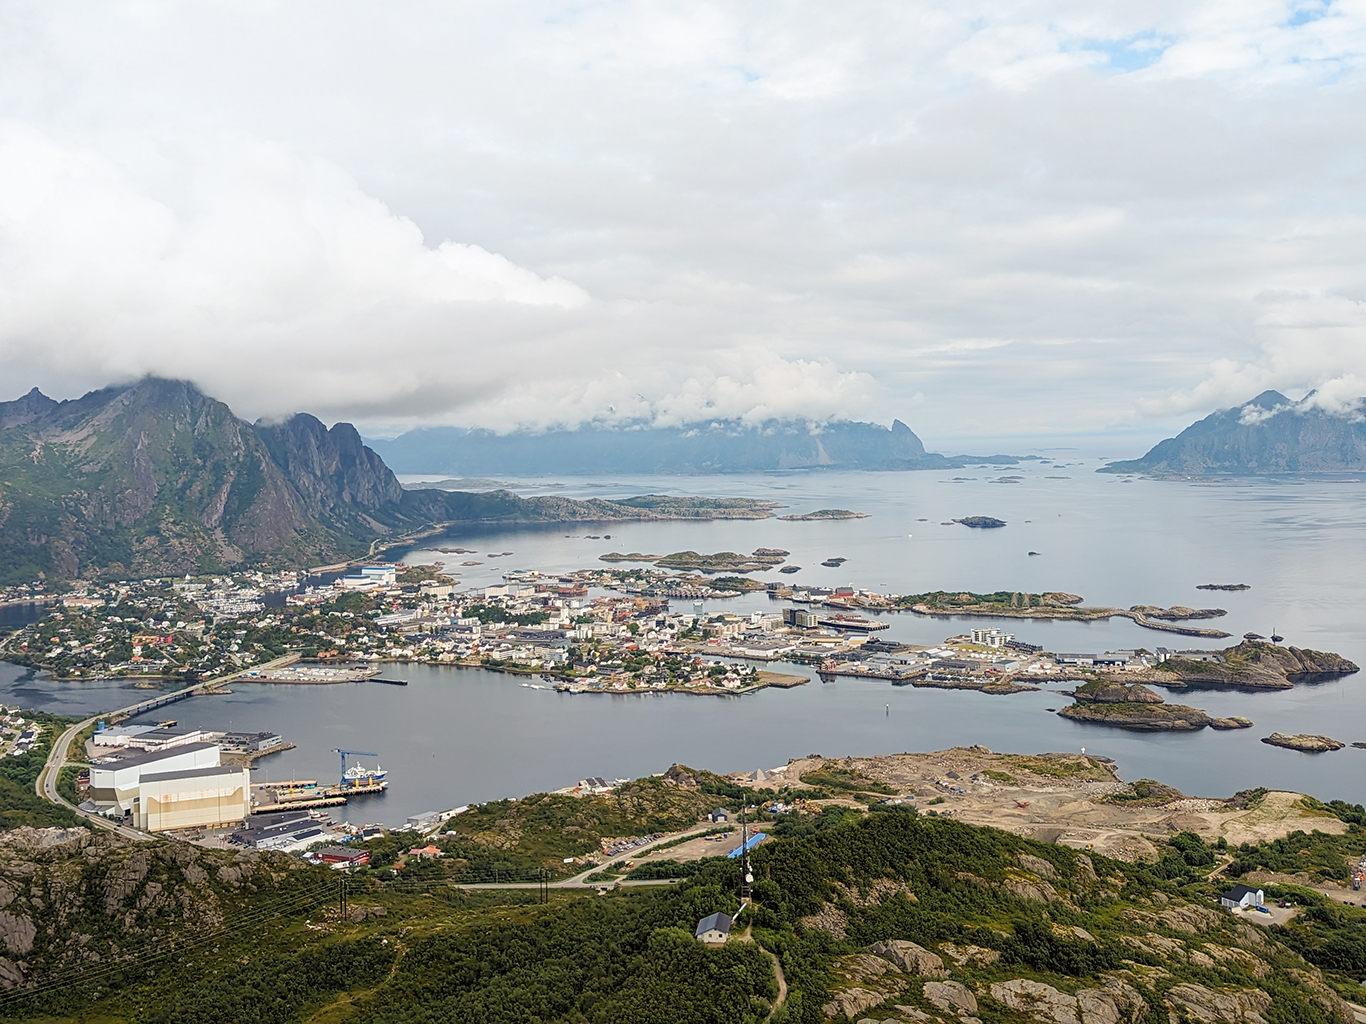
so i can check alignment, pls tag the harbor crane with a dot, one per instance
(351, 753)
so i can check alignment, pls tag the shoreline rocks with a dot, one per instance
(1139, 717)
(1306, 742)
(981, 522)
(1232, 722)
(1258, 665)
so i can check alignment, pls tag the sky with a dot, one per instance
(1037, 218)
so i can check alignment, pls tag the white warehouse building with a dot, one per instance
(114, 786)
(193, 798)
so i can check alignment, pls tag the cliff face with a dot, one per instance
(332, 470)
(75, 900)
(1270, 434)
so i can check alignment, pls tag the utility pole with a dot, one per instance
(746, 876)
(341, 895)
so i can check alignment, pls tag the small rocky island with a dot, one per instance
(822, 514)
(981, 522)
(1309, 744)
(1223, 586)
(1132, 706)
(722, 561)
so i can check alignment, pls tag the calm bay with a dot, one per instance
(456, 736)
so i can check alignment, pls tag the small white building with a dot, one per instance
(714, 929)
(1240, 897)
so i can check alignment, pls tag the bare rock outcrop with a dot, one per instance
(1199, 1003)
(1232, 722)
(17, 932)
(964, 956)
(950, 995)
(1037, 865)
(1117, 1003)
(908, 956)
(852, 1002)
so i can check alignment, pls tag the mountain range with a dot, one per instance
(1270, 434)
(723, 446)
(156, 478)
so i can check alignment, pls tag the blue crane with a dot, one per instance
(351, 753)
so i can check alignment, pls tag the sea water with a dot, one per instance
(455, 736)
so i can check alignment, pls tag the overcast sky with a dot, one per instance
(987, 218)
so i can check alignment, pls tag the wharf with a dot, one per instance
(242, 757)
(304, 793)
(298, 805)
(310, 675)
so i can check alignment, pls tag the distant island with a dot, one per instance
(825, 513)
(1268, 435)
(715, 446)
(1223, 586)
(981, 522)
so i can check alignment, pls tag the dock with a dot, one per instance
(304, 793)
(390, 682)
(858, 622)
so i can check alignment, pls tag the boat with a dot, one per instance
(359, 775)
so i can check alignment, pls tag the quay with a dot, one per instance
(302, 793)
(311, 674)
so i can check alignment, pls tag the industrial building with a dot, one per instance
(286, 831)
(114, 785)
(193, 798)
(179, 787)
(249, 742)
(150, 737)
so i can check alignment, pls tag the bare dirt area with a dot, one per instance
(695, 849)
(1072, 799)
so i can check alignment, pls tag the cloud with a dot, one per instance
(1037, 217)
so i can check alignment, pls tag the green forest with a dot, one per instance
(827, 888)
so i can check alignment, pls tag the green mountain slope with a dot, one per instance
(155, 479)
(881, 916)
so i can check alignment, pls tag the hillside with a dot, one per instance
(718, 447)
(1269, 434)
(881, 915)
(156, 478)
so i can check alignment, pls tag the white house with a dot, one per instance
(714, 929)
(1240, 897)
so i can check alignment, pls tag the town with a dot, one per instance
(592, 630)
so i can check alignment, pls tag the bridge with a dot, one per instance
(46, 786)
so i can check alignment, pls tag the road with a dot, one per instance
(46, 786)
(581, 878)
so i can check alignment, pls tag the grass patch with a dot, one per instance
(846, 780)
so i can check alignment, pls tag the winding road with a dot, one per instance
(46, 785)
